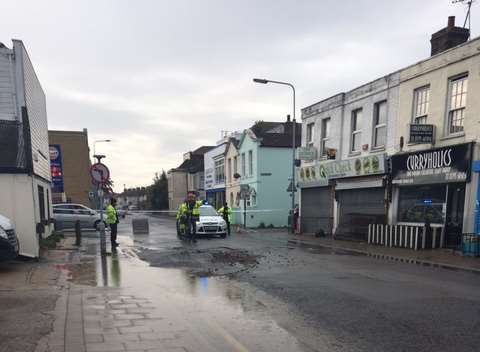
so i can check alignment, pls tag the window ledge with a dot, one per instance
(377, 149)
(452, 136)
(354, 154)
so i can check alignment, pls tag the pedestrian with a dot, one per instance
(190, 212)
(226, 213)
(112, 221)
(296, 215)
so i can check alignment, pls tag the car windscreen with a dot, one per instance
(208, 211)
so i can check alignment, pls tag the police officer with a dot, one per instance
(226, 213)
(189, 211)
(112, 221)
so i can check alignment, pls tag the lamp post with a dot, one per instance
(100, 141)
(293, 188)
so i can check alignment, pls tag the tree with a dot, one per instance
(157, 193)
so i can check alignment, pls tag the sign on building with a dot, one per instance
(440, 165)
(422, 133)
(56, 168)
(307, 153)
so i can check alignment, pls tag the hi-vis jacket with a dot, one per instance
(184, 207)
(226, 214)
(111, 215)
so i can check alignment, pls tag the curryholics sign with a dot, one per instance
(363, 166)
(421, 133)
(440, 165)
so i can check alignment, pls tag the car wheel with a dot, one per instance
(223, 235)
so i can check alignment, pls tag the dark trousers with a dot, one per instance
(228, 227)
(113, 234)
(193, 229)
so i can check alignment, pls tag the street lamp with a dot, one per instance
(293, 189)
(100, 141)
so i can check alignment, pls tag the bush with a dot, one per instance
(262, 225)
(270, 226)
(51, 241)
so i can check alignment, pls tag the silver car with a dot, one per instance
(210, 222)
(67, 214)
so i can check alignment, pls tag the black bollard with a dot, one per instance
(78, 233)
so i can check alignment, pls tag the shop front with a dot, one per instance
(216, 197)
(429, 187)
(360, 195)
(316, 200)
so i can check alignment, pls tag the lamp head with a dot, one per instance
(260, 80)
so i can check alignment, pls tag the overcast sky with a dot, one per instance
(160, 78)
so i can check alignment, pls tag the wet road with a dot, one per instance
(256, 292)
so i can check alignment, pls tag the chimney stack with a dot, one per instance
(448, 37)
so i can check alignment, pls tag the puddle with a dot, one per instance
(215, 314)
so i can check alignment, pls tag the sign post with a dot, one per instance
(100, 175)
(244, 193)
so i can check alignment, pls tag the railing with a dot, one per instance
(406, 236)
(471, 244)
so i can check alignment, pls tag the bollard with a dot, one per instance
(103, 241)
(140, 226)
(78, 233)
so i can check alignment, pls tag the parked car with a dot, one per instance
(67, 214)
(209, 223)
(8, 240)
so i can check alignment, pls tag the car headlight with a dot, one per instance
(199, 223)
(223, 223)
(3, 234)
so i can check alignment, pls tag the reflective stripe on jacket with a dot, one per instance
(226, 214)
(183, 209)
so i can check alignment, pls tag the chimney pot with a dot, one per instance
(288, 118)
(451, 21)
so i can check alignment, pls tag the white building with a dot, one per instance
(25, 193)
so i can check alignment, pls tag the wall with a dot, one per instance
(76, 164)
(17, 204)
(35, 102)
(177, 188)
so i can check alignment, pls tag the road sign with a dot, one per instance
(99, 173)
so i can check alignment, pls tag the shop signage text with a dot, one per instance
(448, 164)
(321, 173)
(208, 178)
(421, 133)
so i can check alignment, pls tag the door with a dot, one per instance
(454, 216)
(357, 209)
(316, 210)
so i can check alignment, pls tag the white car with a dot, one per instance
(210, 222)
(8, 239)
(67, 214)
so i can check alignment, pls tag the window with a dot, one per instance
(253, 198)
(235, 165)
(243, 165)
(310, 133)
(229, 171)
(325, 136)
(250, 162)
(420, 203)
(356, 130)
(232, 201)
(421, 100)
(237, 200)
(41, 202)
(456, 103)
(379, 124)
(220, 171)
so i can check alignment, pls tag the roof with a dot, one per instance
(277, 134)
(195, 164)
(203, 149)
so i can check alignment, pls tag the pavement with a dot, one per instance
(253, 291)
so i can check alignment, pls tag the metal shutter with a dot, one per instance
(357, 209)
(316, 210)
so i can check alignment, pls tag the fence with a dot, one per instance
(406, 236)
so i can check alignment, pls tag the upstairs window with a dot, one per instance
(421, 101)
(220, 171)
(325, 136)
(379, 124)
(250, 162)
(356, 130)
(229, 171)
(244, 169)
(310, 130)
(457, 102)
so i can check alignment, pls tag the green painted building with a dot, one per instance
(265, 166)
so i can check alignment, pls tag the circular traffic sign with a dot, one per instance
(99, 173)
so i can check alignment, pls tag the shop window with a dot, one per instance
(356, 130)
(422, 203)
(457, 102)
(379, 124)
(421, 102)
